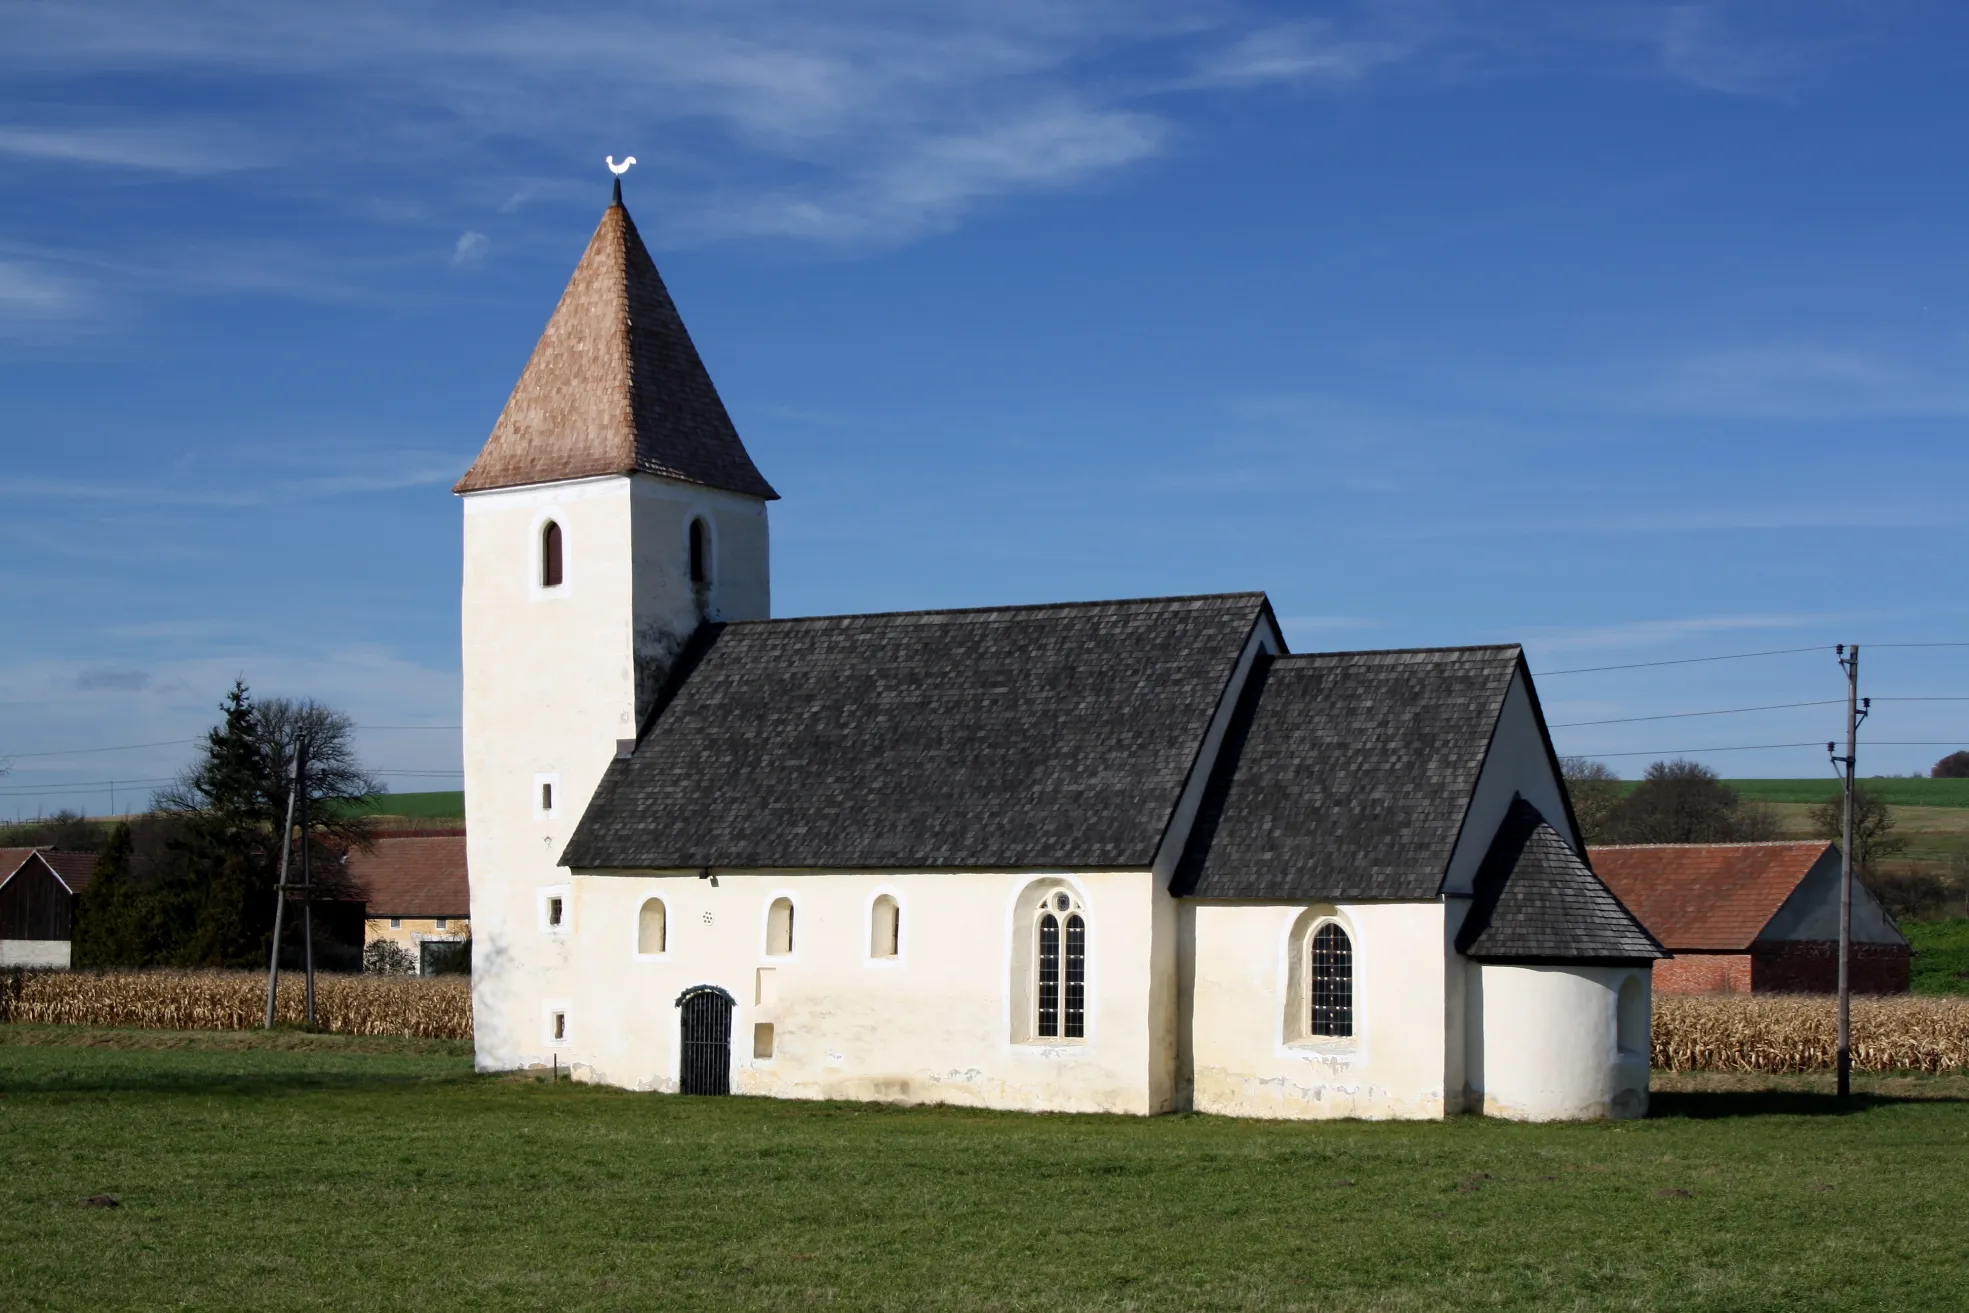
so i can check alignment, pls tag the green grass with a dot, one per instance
(420, 805)
(317, 1172)
(1898, 791)
(1941, 955)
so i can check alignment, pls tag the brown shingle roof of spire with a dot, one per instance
(615, 386)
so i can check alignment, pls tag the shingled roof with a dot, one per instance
(73, 869)
(615, 386)
(1347, 774)
(1536, 900)
(1029, 736)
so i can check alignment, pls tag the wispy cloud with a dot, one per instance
(35, 299)
(1300, 53)
(132, 146)
(470, 249)
(1696, 48)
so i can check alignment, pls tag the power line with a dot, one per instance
(1683, 715)
(1684, 661)
(1763, 747)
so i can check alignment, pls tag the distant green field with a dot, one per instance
(421, 805)
(1941, 955)
(1897, 791)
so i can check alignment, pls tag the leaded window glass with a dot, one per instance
(1076, 992)
(1333, 982)
(1049, 975)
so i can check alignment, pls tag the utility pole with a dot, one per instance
(307, 888)
(280, 890)
(1856, 711)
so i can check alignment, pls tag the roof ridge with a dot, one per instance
(1402, 651)
(1016, 607)
(1722, 843)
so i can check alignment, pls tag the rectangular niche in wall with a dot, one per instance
(762, 1040)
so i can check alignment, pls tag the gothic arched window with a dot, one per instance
(550, 555)
(1060, 969)
(1332, 974)
(700, 553)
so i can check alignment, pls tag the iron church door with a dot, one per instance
(706, 1034)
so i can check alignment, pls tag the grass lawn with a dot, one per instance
(326, 1172)
(420, 806)
(1941, 955)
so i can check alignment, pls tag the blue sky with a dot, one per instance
(1630, 331)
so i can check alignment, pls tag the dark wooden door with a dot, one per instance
(706, 1033)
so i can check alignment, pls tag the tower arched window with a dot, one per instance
(1332, 974)
(1060, 968)
(652, 928)
(550, 555)
(779, 927)
(700, 549)
(885, 927)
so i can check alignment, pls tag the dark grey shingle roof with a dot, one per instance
(1347, 775)
(1535, 899)
(1048, 736)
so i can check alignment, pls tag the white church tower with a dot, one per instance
(613, 509)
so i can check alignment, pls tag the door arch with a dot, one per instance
(704, 1036)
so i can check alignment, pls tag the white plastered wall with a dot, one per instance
(1545, 1042)
(1247, 1060)
(933, 1025)
(553, 677)
(52, 953)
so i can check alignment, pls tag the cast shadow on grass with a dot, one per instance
(1708, 1105)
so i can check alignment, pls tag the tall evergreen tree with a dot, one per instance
(216, 897)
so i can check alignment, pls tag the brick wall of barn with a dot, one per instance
(1704, 973)
(1812, 967)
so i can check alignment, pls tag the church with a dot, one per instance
(1128, 856)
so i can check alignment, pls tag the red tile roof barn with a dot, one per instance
(615, 386)
(414, 873)
(1713, 896)
(71, 868)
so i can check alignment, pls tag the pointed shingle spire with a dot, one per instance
(615, 386)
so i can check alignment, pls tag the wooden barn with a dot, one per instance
(38, 892)
(1745, 918)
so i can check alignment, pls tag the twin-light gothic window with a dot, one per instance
(1060, 968)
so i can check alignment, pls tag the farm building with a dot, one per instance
(1760, 918)
(415, 894)
(1117, 856)
(38, 892)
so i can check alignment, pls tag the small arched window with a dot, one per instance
(700, 554)
(1332, 973)
(652, 928)
(1060, 969)
(779, 927)
(885, 928)
(1632, 1022)
(550, 555)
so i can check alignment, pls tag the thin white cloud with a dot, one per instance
(162, 150)
(1299, 53)
(470, 249)
(1694, 48)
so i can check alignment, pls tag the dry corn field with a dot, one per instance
(1799, 1033)
(436, 1007)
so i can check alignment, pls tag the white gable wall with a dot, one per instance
(1516, 763)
